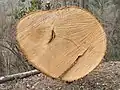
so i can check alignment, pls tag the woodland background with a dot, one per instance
(11, 11)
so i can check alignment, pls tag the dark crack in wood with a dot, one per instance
(52, 36)
(75, 62)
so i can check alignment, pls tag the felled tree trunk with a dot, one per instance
(66, 43)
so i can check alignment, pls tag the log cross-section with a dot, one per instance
(66, 43)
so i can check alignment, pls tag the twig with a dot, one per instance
(18, 76)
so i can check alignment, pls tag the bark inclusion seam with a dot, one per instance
(72, 65)
(52, 36)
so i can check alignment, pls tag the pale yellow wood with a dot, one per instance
(66, 43)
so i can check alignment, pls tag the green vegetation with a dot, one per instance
(23, 9)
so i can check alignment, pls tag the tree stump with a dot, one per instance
(66, 43)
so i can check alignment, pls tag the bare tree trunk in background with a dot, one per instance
(65, 3)
(82, 3)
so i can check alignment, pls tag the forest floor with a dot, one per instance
(105, 77)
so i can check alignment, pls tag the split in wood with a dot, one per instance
(52, 36)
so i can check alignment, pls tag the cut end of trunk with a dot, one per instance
(65, 43)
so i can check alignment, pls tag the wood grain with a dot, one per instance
(65, 43)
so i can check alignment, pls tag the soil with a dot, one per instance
(105, 77)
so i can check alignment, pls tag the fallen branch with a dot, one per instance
(18, 76)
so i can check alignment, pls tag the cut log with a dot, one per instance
(66, 43)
